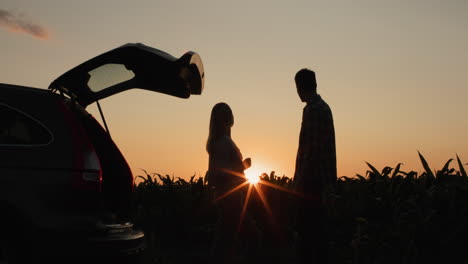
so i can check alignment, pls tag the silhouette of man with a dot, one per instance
(315, 169)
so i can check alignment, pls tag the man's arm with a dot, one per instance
(297, 180)
(311, 142)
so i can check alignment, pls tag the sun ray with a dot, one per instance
(231, 191)
(235, 173)
(253, 185)
(244, 207)
(269, 184)
(264, 201)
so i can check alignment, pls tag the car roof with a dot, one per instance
(21, 88)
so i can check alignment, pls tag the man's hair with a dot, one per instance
(306, 78)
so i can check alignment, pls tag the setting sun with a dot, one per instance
(252, 178)
(253, 174)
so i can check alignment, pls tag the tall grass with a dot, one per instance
(383, 216)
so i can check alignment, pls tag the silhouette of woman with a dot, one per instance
(225, 167)
(225, 172)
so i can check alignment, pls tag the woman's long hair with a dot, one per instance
(221, 122)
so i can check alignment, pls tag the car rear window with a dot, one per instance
(108, 75)
(21, 129)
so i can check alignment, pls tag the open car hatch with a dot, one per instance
(132, 66)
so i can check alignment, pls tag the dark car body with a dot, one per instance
(65, 187)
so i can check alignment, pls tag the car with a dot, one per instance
(65, 187)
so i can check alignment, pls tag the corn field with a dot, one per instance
(384, 216)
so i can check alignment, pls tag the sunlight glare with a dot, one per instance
(253, 175)
(252, 178)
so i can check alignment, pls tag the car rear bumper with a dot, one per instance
(128, 243)
(116, 240)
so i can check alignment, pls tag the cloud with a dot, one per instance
(17, 23)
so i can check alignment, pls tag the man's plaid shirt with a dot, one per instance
(316, 155)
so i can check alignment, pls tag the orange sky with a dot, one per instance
(393, 72)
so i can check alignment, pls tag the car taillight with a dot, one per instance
(89, 174)
(92, 176)
(86, 167)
